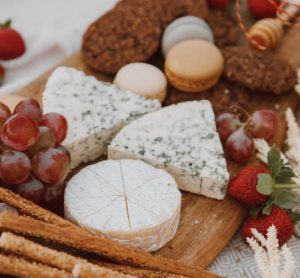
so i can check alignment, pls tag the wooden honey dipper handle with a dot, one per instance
(269, 31)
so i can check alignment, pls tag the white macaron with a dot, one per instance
(185, 28)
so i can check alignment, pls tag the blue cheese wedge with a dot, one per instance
(95, 111)
(129, 201)
(183, 140)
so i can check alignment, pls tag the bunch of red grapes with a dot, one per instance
(238, 136)
(32, 161)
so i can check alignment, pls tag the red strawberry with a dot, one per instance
(11, 43)
(243, 186)
(262, 8)
(1, 74)
(218, 4)
(278, 217)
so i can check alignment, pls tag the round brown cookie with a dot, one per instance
(225, 29)
(258, 70)
(167, 10)
(120, 37)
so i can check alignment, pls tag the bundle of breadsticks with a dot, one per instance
(32, 239)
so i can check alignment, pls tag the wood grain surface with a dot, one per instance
(206, 225)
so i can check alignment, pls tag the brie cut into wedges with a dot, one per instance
(129, 201)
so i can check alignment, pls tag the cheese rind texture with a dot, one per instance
(183, 140)
(127, 200)
(95, 111)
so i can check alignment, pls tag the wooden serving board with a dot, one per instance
(206, 225)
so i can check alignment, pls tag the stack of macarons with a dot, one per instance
(192, 62)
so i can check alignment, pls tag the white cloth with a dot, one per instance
(53, 30)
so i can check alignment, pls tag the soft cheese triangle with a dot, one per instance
(95, 111)
(127, 200)
(182, 139)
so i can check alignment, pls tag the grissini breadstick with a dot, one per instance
(21, 246)
(28, 208)
(138, 272)
(97, 245)
(83, 270)
(36, 252)
(11, 265)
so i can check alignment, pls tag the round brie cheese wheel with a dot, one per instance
(129, 201)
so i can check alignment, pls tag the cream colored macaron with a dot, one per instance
(143, 79)
(194, 65)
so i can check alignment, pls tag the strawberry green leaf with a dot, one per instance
(264, 184)
(267, 209)
(1, 80)
(294, 216)
(6, 24)
(275, 162)
(254, 211)
(285, 199)
(285, 173)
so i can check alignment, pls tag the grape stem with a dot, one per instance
(236, 109)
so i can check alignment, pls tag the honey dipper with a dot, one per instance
(268, 31)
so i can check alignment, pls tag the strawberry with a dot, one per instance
(11, 43)
(262, 8)
(218, 4)
(243, 186)
(1, 74)
(278, 217)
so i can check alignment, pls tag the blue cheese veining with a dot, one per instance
(182, 139)
(95, 111)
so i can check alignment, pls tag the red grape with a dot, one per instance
(240, 146)
(20, 132)
(6, 208)
(46, 140)
(31, 108)
(66, 151)
(58, 124)
(263, 124)
(227, 123)
(51, 165)
(32, 189)
(15, 167)
(4, 113)
(54, 196)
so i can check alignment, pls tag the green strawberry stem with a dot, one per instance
(286, 186)
(6, 24)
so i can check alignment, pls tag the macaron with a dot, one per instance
(185, 28)
(194, 65)
(143, 79)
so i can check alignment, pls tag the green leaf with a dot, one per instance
(255, 211)
(274, 161)
(267, 209)
(6, 24)
(268, 206)
(264, 184)
(284, 175)
(294, 216)
(285, 199)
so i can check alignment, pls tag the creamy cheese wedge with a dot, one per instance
(183, 140)
(95, 111)
(127, 200)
